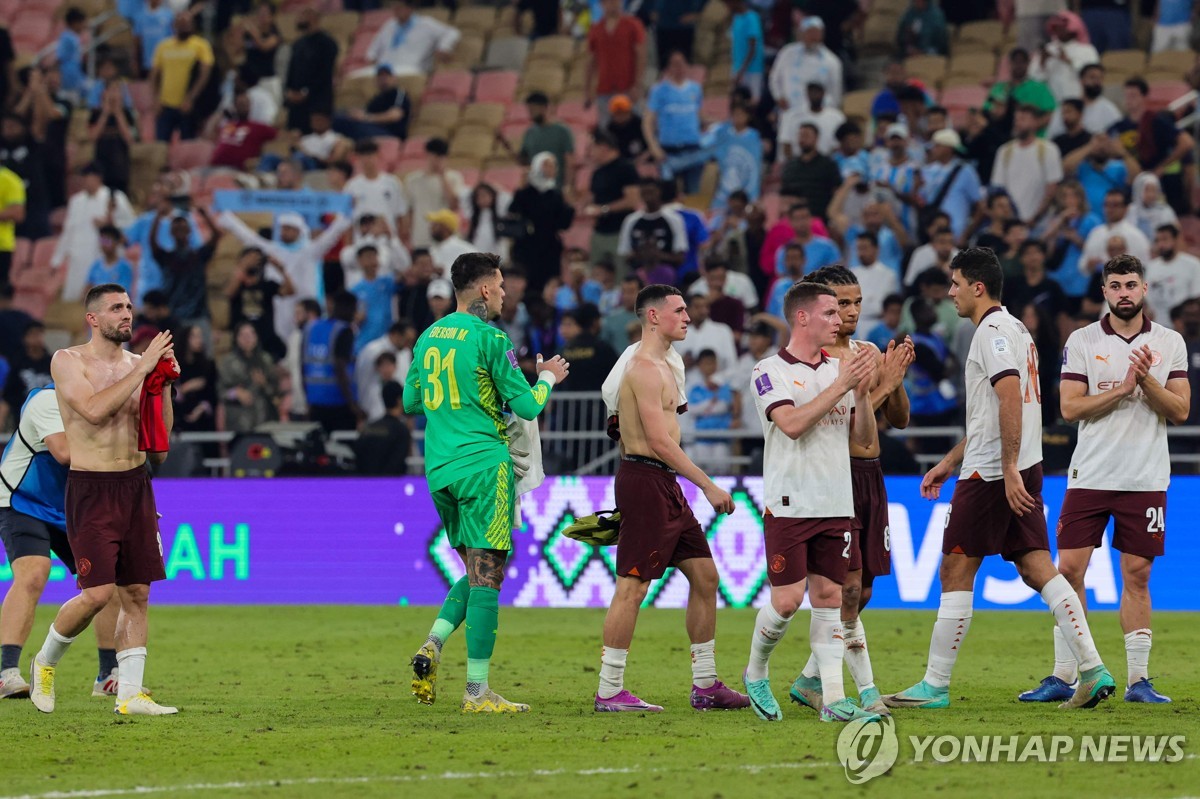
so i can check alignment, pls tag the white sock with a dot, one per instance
(1064, 603)
(857, 658)
(825, 632)
(612, 672)
(131, 669)
(949, 631)
(769, 628)
(1064, 661)
(1137, 654)
(54, 648)
(704, 664)
(810, 669)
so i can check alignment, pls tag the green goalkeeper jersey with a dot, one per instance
(463, 373)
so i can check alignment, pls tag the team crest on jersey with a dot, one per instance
(512, 358)
(1000, 345)
(1155, 357)
(762, 384)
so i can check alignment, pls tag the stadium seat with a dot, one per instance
(448, 86)
(42, 252)
(65, 316)
(354, 92)
(497, 87)
(80, 154)
(1177, 61)
(984, 34)
(468, 52)
(389, 152)
(1165, 92)
(554, 48)
(858, 104)
(583, 179)
(573, 113)
(958, 100)
(413, 86)
(440, 118)
(578, 235)
(371, 21)
(697, 73)
(142, 94)
(508, 179)
(414, 146)
(191, 153)
(287, 23)
(928, 68)
(340, 24)
(714, 109)
(472, 144)
(543, 79)
(486, 116)
(976, 66)
(438, 13)
(479, 19)
(1130, 62)
(507, 52)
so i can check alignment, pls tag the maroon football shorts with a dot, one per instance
(112, 525)
(658, 529)
(799, 547)
(1139, 520)
(871, 549)
(981, 523)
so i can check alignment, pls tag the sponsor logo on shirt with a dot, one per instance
(1104, 358)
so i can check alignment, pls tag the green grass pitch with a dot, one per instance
(315, 702)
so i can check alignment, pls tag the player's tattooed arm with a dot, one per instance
(478, 308)
(485, 567)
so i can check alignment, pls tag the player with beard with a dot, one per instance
(112, 522)
(463, 373)
(1123, 379)
(870, 549)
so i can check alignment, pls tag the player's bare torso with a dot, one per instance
(111, 445)
(633, 430)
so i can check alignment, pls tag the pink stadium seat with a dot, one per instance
(1165, 92)
(142, 94)
(496, 87)
(508, 178)
(583, 179)
(389, 151)
(43, 251)
(959, 99)
(579, 235)
(414, 146)
(31, 302)
(372, 21)
(516, 113)
(513, 131)
(191, 154)
(572, 112)
(470, 176)
(698, 73)
(714, 109)
(409, 163)
(449, 86)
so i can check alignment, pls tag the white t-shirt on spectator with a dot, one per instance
(715, 336)
(409, 48)
(877, 281)
(827, 120)
(1095, 247)
(1171, 282)
(1025, 172)
(924, 257)
(738, 285)
(380, 196)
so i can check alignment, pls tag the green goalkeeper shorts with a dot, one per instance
(477, 510)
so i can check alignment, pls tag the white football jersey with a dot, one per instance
(808, 478)
(1000, 347)
(1126, 448)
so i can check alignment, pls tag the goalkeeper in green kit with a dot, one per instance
(464, 371)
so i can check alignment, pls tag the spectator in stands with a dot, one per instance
(179, 74)
(715, 406)
(1034, 287)
(1048, 344)
(153, 23)
(328, 366)
(239, 138)
(1099, 112)
(616, 63)
(111, 126)
(447, 245)
(1028, 168)
(932, 398)
(295, 252)
(850, 156)
(1108, 23)
(761, 340)
(1095, 247)
(546, 136)
(895, 78)
(246, 383)
(1173, 26)
(746, 36)
(819, 251)
(614, 194)
(827, 120)
(69, 52)
(251, 291)
(396, 342)
(185, 269)
(51, 119)
(894, 171)
(484, 208)
(539, 204)
(264, 107)
(1064, 238)
(626, 127)
(107, 73)
(430, 189)
(387, 113)
(982, 139)
(413, 302)
(28, 370)
(308, 84)
(1148, 210)
(998, 211)
(13, 322)
(706, 334)
(811, 176)
(1016, 233)
(1153, 142)
(1172, 276)
(411, 42)
(922, 30)
(260, 41)
(801, 63)
(196, 387)
(93, 207)
(936, 255)
(879, 220)
(653, 241)
(156, 315)
(727, 236)
(694, 226)
(376, 295)
(305, 313)
(877, 279)
(672, 124)
(948, 183)
(674, 24)
(1070, 134)
(1019, 90)
(576, 288)
(723, 307)
(111, 266)
(441, 297)
(383, 445)
(7, 56)
(379, 193)
(616, 322)
(590, 356)
(12, 213)
(370, 229)
(1062, 58)
(547, 17)
(888, 325)
(322, 145)
(22, 153)
(149, 273)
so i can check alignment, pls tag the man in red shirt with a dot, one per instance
(617, 45)
(240, 139)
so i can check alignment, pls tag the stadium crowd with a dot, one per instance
(742, 145)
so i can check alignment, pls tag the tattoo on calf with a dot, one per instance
(485, 567)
